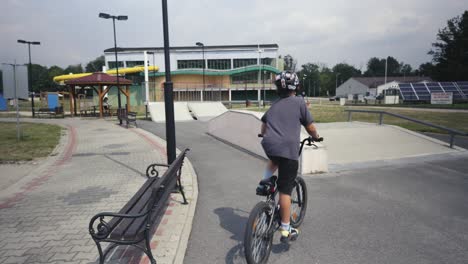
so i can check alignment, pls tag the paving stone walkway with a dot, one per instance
(98, 166)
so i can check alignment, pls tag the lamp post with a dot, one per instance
(14, 65)
(336, 81)
(154, 84)
(107, 16)
(199, 44)
(303, 81)
(260, 70)
(30, 70)
(168, 93)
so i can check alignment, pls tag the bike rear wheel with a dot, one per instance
(298, 202)
(258, 236)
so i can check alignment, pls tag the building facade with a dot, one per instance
(231, 72)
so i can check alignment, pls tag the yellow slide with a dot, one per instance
(136, 69)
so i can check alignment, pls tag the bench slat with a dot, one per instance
(130, 204)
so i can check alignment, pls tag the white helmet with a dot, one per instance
(287, 80)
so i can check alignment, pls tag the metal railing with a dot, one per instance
(451, 132)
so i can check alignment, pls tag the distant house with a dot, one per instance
(369, 85)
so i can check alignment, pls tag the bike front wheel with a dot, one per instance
(258, 236)
(298, 202)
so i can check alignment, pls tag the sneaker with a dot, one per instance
(288, 235)
(266, 186)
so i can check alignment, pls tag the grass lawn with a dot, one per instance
(332, 113)
(37, 140)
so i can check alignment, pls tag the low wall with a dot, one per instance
(241, 129)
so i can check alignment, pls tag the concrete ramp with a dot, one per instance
(205, 111)
(352, 142)
(346, 143)
(158, 113)
(241, 129)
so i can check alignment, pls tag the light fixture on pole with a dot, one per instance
(30, 70)
(199, 44)
(107, 16)
(304, 76)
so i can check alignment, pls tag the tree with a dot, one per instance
(73, 69)
(450, 53)
(310, 76)
(39, 78)
(376, 67)
(327, 81)
(289, 63)
(346, 71)
(406, 69)
(95, 65)
(425, 69)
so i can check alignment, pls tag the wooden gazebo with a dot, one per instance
(98, 81)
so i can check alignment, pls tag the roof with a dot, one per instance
(209, 72)
(373, 82)
(97, 78)
(194, 47)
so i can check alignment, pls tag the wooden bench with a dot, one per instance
(57, 111)
(134, 224)
(128, 117)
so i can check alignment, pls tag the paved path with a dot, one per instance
(406, 212)
(44, 217)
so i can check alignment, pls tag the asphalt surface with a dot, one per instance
(403, 213)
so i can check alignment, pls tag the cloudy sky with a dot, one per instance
(329, 32)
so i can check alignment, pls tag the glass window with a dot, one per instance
(112, 64)
(135, 63)
(238, 63)
(222, 64)
(267, 61)
(245, 77)
(190, 64)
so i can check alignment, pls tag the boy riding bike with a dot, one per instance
(281, 127)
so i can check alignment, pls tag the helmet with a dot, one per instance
(287, 80)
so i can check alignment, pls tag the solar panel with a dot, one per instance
(407, 92)
(421, 91)
(434, 88)
(463, 87)
(451, 88)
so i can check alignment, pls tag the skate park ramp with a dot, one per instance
(158, 113)
(346, 143)
(205, 111)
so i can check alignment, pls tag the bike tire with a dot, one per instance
(298, 202)
(258, 234)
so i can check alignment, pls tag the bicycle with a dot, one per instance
(264, 219)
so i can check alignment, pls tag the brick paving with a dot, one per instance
(98, 167)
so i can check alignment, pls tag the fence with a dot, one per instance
(451, 132)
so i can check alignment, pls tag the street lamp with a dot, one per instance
(199, 44)
(304, 76)
(168, 92)
(30, 70)
(107, 16)
(336, 81)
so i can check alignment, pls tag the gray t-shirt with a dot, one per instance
(283, 127)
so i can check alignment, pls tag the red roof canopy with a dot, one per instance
(98, 78)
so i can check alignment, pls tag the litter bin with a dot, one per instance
(247, 103)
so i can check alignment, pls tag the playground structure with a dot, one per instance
(136, 69)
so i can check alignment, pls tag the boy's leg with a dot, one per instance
(285, 207)
(270, 169)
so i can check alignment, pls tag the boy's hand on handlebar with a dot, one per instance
(318, 139)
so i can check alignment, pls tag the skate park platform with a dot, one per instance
(158, 112)
(187, 111)
(205, 111)
(346, 143)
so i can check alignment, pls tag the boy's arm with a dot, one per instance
(310, 128)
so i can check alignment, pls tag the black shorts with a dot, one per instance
(287, 173)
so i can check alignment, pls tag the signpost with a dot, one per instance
(441, 98)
